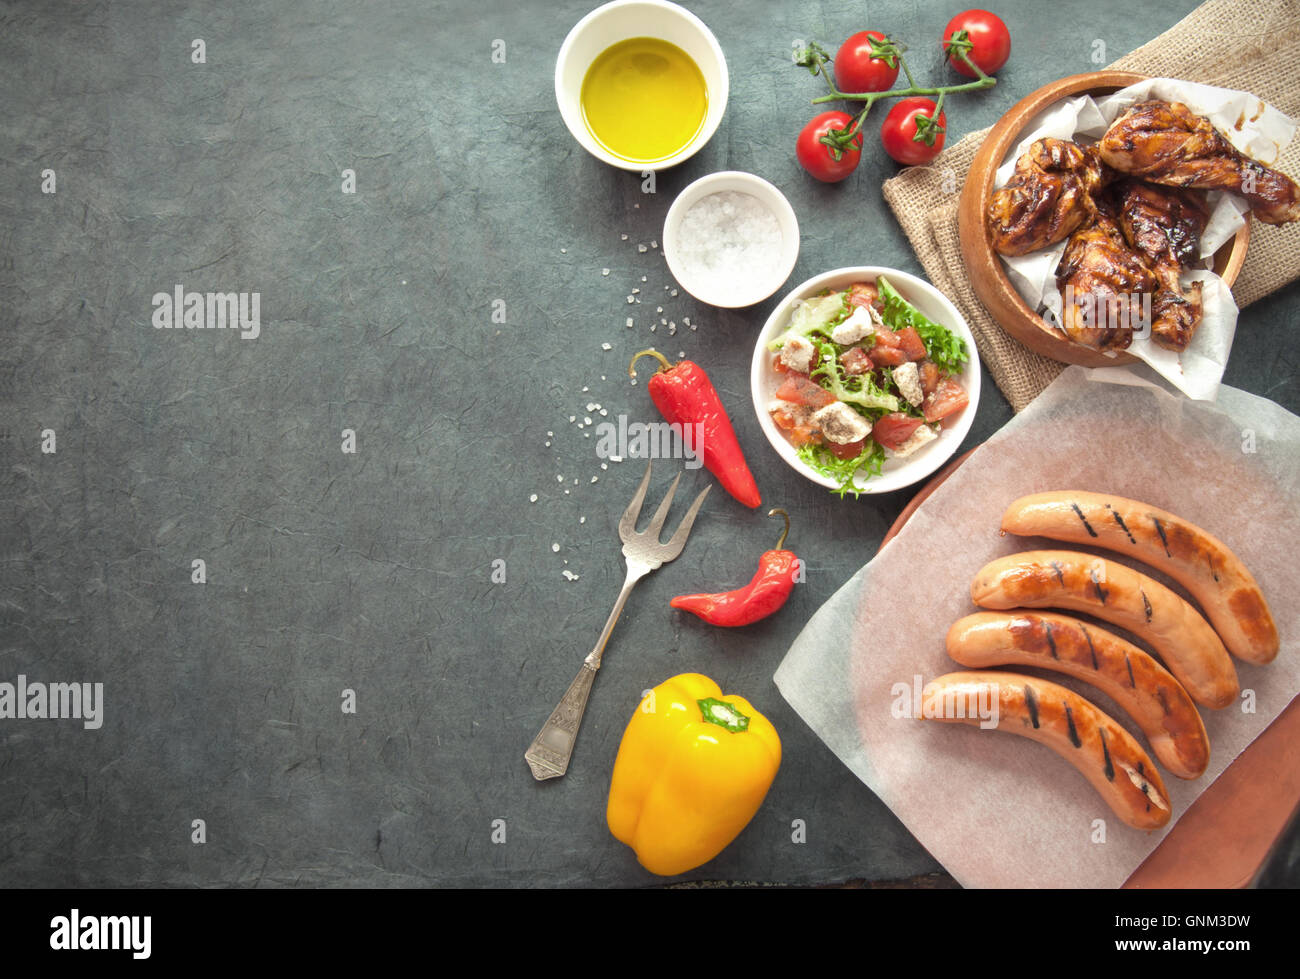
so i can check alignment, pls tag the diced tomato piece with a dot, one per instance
(885, 337)
(948, 399)
(894, 429)
(798, 389)
(778, 365)
(849, 450)
(930, 375)
(855, 360)
(799, 430)
(783, 417)
(865, 294)
(911, 343)
(888, 356)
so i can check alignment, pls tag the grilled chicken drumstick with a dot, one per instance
(1048, 197)
(1102, 282)
(1166, 143)
(1164, 224)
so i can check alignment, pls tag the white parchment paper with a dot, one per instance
(995, 809)
(1252, 126)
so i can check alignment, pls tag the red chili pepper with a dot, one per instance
(765, 594)
(685, 396)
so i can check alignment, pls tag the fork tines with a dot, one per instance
(649, 538)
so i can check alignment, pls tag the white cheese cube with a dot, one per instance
(922, 436)
(908, 379)
(853, 329)
(797, 353)
(841, 424)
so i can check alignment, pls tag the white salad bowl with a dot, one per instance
(619, 21)
(934, 305)
(698, 283)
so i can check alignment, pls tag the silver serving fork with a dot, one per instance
(549, 754)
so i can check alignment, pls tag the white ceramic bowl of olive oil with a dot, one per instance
(641, 84)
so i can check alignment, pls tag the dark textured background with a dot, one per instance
(372, 571)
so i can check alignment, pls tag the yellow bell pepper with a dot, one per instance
(692, 769)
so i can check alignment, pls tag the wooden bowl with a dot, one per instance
(987, 273)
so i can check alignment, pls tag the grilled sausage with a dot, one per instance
(1197, 560)
(1105, 753)
(1131, 678)
(1111, 591)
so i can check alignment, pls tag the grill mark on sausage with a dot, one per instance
(1161, 531)
(1031, 702)
(1131, 682)
(1163, 698)
(1069, 724)
(1086, 526)
(1096, 584)
(1051, 640)
(1146, 604)
(1060, 575)
(1109, 770)
(1215, 574)
(1091, 649)
(1122, 525)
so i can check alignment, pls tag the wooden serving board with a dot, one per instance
(1225, 837)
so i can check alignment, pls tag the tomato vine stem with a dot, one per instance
(817, 60)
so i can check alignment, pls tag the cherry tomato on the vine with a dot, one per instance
(899, 134)
(990, 41)
(857, 71)
(818, 158)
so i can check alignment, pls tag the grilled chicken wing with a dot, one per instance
(1164, 224)
(1106, 287)
(1048, 197)
(1166, 143)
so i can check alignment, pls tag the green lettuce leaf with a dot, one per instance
(944, 347)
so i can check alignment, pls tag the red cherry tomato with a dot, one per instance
(990, 41)
(857, 71)
(818, 158)
(899, 132)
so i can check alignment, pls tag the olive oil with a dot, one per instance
(644, 99)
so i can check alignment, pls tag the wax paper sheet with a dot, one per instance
(1253, 126)
(995, 809)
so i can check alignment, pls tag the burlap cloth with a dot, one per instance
(1250, 45)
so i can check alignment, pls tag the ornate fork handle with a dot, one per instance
(549, 754)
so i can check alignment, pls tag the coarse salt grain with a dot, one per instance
(606, 346)
(728, 240)
(555, 548)
(533, 498)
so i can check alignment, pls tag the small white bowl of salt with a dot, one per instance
(731, 239)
